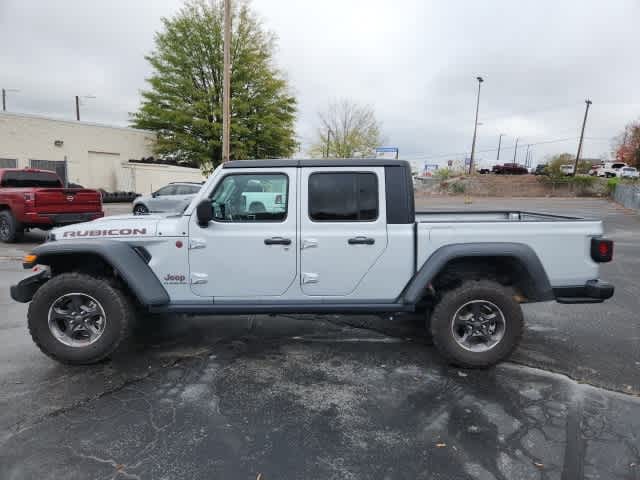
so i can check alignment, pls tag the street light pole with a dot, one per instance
(499, 142)
(226, 83)
(78, 104)
(475, 127)
(515, 151)
(584, 123)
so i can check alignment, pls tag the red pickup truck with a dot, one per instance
(32, 198)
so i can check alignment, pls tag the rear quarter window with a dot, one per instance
(18, 179)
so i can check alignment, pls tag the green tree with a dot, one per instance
(347, 129)
(184, 101)
(556, 161)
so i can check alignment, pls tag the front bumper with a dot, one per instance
(594, 291)
(24, 291)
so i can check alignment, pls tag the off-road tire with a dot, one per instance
(118, 308)
(12, 229)
(443, 316)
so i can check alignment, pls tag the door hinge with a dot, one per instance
(308, 278)
(195, 243)
(199, 278)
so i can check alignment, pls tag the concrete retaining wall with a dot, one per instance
(628, 196)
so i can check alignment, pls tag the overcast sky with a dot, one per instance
(414, 61)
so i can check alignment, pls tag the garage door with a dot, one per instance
(8, 163)
(54, 165)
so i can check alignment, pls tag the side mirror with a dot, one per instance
(154, 194)
(204, 212)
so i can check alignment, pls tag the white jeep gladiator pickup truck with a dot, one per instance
(343, 238)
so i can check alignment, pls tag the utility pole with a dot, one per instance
(515, 151)
(226, 83)
(475, 127)
(584, 124)
(499, 142)
(78, 104)
(526, 157)
(4, 97)
(328, 140)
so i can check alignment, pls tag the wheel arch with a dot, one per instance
(106, 256)
(516, 263)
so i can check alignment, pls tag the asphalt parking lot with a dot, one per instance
(335, 397)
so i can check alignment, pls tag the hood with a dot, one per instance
(118, 226)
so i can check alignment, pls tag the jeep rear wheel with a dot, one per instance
(477, 324)
(79, 319)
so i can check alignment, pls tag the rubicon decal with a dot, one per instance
(174, 278)
(114, 232)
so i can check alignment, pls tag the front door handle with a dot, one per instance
(277, 241)
(361, 241)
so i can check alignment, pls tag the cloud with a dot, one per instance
(414, 61)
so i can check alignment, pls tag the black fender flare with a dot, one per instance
(129, 265)
(540, 287)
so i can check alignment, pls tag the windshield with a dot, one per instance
(25, 179)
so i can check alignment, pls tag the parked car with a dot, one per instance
(484, 171)
(593, 171)
(170, 198)
(568, 169)
(541, 169)
(609, 169)
(509, 169)
(346, 239)
(31, 198)
(628, 172)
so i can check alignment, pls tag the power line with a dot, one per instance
(442, 155)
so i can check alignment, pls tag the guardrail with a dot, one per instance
(627, 195)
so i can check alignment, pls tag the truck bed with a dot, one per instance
(561, 243)
(489, 216)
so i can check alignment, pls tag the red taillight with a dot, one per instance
(278, 199)
(601, 250)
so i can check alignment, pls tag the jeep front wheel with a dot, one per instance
(477, 324)
(78, 319)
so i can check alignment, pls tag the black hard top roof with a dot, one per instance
(319, 162)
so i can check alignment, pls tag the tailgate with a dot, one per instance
(67, 200)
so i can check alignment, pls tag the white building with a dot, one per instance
(89, 154)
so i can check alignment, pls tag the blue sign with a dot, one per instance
(387, 152)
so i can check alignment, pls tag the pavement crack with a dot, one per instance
(21, 427)
(550, 371)
(119, 468)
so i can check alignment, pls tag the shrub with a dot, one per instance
(611, 185)
(583, 183)
(443, 174)
(458, 187)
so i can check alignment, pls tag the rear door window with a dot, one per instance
(343, 197)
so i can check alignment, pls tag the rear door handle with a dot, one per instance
(361, 241)
(277, 241)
